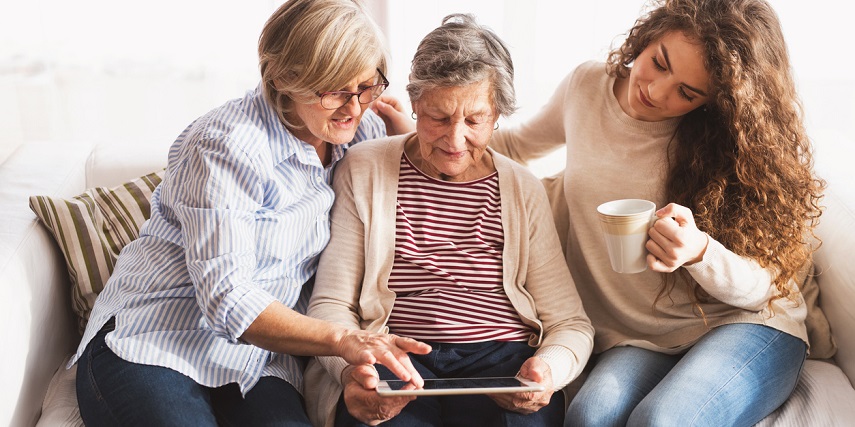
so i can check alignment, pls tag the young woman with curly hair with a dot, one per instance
(696, 111)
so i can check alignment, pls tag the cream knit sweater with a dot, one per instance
(613, 156)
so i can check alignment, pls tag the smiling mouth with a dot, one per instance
(644, 100)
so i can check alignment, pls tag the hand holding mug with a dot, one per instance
(675, 240)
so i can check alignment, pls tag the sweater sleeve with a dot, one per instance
(568, 336)
(540, 135)
(556, 357)
(335, 297)
(732, 279)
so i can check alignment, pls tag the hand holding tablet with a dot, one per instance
(449, 386)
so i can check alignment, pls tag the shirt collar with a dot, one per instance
(283, 144)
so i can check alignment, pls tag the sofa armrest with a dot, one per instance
(834, 266)
(39, 328)
(836, 275)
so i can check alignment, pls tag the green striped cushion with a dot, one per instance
(92, 228)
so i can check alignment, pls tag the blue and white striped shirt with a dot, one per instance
(238, 222)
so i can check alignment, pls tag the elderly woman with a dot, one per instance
(201, 317)
(438, 238)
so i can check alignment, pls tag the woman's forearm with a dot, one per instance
(282, 330)
(732, 279)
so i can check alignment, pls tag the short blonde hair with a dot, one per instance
(310, 46)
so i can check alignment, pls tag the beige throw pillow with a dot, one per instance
(92, 228)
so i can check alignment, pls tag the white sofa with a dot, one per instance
(39, 330)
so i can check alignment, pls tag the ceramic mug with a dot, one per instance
(625, 224)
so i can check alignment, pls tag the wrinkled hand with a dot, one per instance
(675, 240)
(392, 112)
(359, 347)
(534, 369)
(361, 398)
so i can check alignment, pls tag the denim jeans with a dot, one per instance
(734, 376)
(115, 392)
(487, 359)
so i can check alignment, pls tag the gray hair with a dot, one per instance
(461, 52)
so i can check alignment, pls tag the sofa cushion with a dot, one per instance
(60, 408)
(91, 229)
(822, 397)
(822, 344)
(112, 164)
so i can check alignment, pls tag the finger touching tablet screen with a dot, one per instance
(447, 386)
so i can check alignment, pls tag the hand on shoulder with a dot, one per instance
(391, 111)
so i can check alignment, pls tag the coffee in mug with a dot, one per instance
(625, 224)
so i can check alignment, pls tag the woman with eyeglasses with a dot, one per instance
(453, 244)
(202, 318)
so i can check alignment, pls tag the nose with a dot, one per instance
(656, 91)
(352, 107)
(457, 136)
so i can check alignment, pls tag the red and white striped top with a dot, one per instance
(447, 273)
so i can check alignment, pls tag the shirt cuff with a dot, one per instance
(560, 360)
(240, 308)
(334, 365)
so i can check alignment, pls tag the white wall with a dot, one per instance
(121, 71)
(139, 72)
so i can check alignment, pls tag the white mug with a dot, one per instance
(625, 224)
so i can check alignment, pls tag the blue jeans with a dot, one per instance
(487, 359)
(734, 376)
(115, 392)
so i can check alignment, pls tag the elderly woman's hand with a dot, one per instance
(359, 347)
(675, 240)
(392, 112)
(361, 398)
(534, 369)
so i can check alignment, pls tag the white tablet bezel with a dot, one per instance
(383, 388)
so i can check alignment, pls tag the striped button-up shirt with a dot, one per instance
(238, 222)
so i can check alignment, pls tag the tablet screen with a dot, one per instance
(460, 386)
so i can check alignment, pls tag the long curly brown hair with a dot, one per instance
(743, 162)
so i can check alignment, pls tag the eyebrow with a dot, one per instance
(668, 63)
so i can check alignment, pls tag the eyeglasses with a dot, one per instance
(336, 99)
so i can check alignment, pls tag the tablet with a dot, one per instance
(446, 386)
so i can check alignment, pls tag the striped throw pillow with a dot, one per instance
(91, 229)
